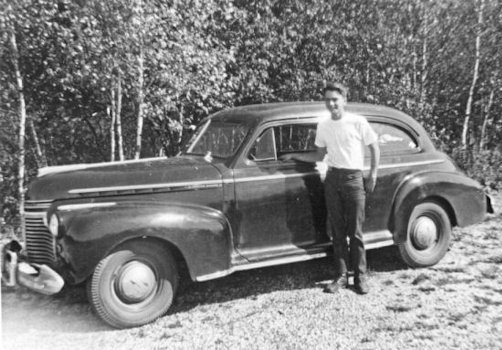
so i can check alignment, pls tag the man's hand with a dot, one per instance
(286, 157)
(370, 183)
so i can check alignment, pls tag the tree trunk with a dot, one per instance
(468, 109)
(118, 118)
(22, 130)
(423, 74)
(141, 83)
(39, 154)
(110, 111)
(486, 120)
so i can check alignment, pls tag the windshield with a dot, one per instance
(222, 139)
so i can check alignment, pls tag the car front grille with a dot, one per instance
(40, 244)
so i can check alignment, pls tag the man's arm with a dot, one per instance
(375, 160)
(309, 157)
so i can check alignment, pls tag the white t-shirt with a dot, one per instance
(345, 140)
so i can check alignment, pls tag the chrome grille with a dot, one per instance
(40, 244)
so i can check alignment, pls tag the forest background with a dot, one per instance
(97, 81)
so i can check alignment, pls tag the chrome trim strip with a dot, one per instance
(272, 177)
(219, 183)
(400, 165)
(377, 235)
(70, 207)
(60, 168)
(37, 205)
(250, 266)
(188, 185)
(280, 261)
(35, 214)
(380, 244)
(213, 276)
(323, 171)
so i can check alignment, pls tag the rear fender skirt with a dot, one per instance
(89, 233)
(463, 197)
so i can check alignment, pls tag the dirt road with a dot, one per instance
(455, 304)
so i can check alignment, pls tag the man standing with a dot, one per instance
(343, 138)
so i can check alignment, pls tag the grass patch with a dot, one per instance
(427, 289)
(176, 324)
(487, 301)
(491, 235)
(452, 269)
(420, 278)
(457, 317)
(495, 259)
(451, 280)
(393, 329)
(424, 337)
(400, 308)
(493, 272)
(426, 326)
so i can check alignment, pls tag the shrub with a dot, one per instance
(485, 166)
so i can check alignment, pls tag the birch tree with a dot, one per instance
(486, 119)
(475, 73)
(22, 124)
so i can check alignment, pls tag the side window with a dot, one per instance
(282, 139)
(264, 147)
(295, 138)
(393, 139)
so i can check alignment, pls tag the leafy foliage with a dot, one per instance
(482, 165)
(178, 61)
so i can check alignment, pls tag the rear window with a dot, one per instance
(393, 139)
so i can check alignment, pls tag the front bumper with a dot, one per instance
(38, 277)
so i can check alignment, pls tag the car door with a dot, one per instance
(400, 156)
(280, 205)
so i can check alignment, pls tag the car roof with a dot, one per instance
(260, 113)
(254, 115)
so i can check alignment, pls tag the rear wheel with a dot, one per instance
(428, 235)
(134, 285)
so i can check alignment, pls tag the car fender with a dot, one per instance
(462, 198)
(89, 232)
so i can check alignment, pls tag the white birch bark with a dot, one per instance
(486, 120)
(141, 83)
(475, 75)
(120, 141)
(22, 130)
(110, 111)
(39, 154)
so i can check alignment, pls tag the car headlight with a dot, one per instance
(54, 225)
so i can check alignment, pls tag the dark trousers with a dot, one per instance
(345, 200)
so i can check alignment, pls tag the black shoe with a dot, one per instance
(361, 286)
(334, 287)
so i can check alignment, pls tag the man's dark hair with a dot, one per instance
(337, 87)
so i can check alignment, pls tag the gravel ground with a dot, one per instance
(455, 304)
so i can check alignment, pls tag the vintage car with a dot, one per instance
(227, 203)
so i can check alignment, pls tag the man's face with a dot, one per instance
(335, 103)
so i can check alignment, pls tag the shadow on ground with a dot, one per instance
(244, 284)
(69, 311)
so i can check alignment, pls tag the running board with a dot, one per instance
(378, 239)
(265, 263)
(372, 240)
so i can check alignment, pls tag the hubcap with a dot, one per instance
(136, 281)
(424, 233)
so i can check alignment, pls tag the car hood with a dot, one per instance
(74, 181)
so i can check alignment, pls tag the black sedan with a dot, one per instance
(228, 203)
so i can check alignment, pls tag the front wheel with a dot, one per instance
(134, 285)
(428, 235)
